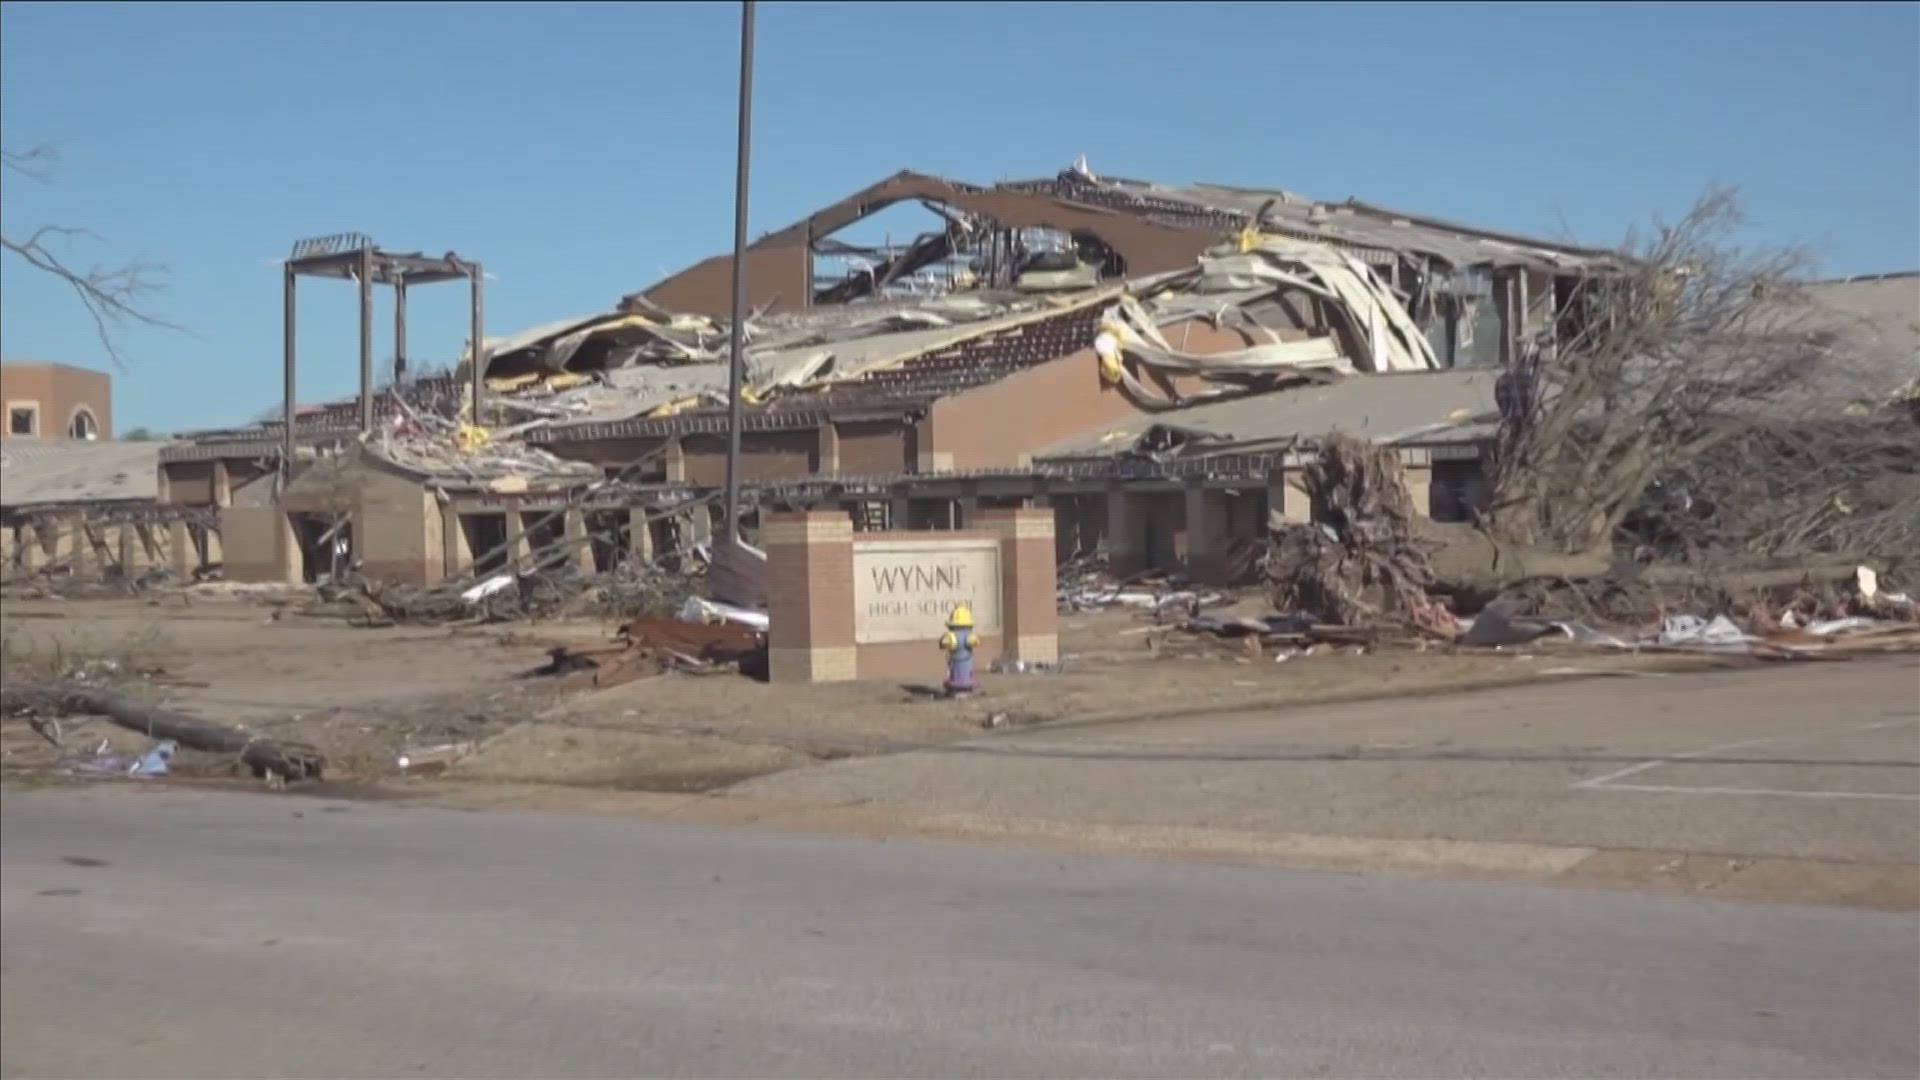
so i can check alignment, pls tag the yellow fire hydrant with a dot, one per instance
(958, 643)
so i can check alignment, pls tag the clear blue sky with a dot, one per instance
(582, 150)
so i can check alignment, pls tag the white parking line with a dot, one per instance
(1678, 790)
(1610, 781)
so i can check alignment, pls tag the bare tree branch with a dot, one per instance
(116, 297)
(1701, 410)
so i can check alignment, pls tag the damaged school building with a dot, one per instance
(1143, 359)
(75, 503)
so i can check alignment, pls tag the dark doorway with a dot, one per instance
(610, 532)
(486, 536)
(325, 543)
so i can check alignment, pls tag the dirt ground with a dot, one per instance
(1339, 758)
(366, 695)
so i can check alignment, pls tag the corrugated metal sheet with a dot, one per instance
(1395, 407)
(36, 473)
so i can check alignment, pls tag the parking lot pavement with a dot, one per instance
(1805, 761)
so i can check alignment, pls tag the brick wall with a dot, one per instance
(873, 447)
(1000, 425)
(54, 393)
(764, 455)
(260, 545)
(811, 594)
(397, 529)
(778, 278)
(188, 483)
(617, 452)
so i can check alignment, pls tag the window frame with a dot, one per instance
(32, 409)
(92, 422)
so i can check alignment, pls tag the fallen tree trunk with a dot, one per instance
(1468, 563)
(1473, 567)
(1757, 580)
(265, 757)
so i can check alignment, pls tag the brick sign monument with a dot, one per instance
(872, 605)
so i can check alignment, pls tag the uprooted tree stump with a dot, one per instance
(1364, 563)
(282, 759)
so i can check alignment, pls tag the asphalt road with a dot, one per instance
(178, 934)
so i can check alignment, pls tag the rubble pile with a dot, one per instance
(496, 465)
(1795, 632)
(1086, 585)
(544, 593)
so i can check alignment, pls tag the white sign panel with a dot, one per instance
(903, 590)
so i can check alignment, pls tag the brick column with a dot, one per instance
(1029, 607)
(829, 450)
(696, 525)
(579, 544)
(128, 549)
(77, 541)
(1205, 560)
(518, 548)
(456, 559)
(180, 553)
(1416, 471)
(1124, 556)
(640, 534)
(810, 596)
(33, 549)
(153, 552)
(967, 507)
(1287, 500)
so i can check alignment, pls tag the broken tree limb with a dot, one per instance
(266, 757)
(1836, 573)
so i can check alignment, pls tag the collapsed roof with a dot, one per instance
(1307, 312)
(1103, 228)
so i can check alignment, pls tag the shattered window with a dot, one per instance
(23, 420)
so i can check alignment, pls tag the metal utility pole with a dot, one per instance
(737, 364)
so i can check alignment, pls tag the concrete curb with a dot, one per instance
(1886, 886)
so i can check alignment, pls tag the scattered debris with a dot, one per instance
(698, 610)
(497, 583)
(1085, 585)
(1025, 667)
(153, 762)
(654, 645)
(267, 758)
(1493, 629)
(1720, 635)
(432, 759)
